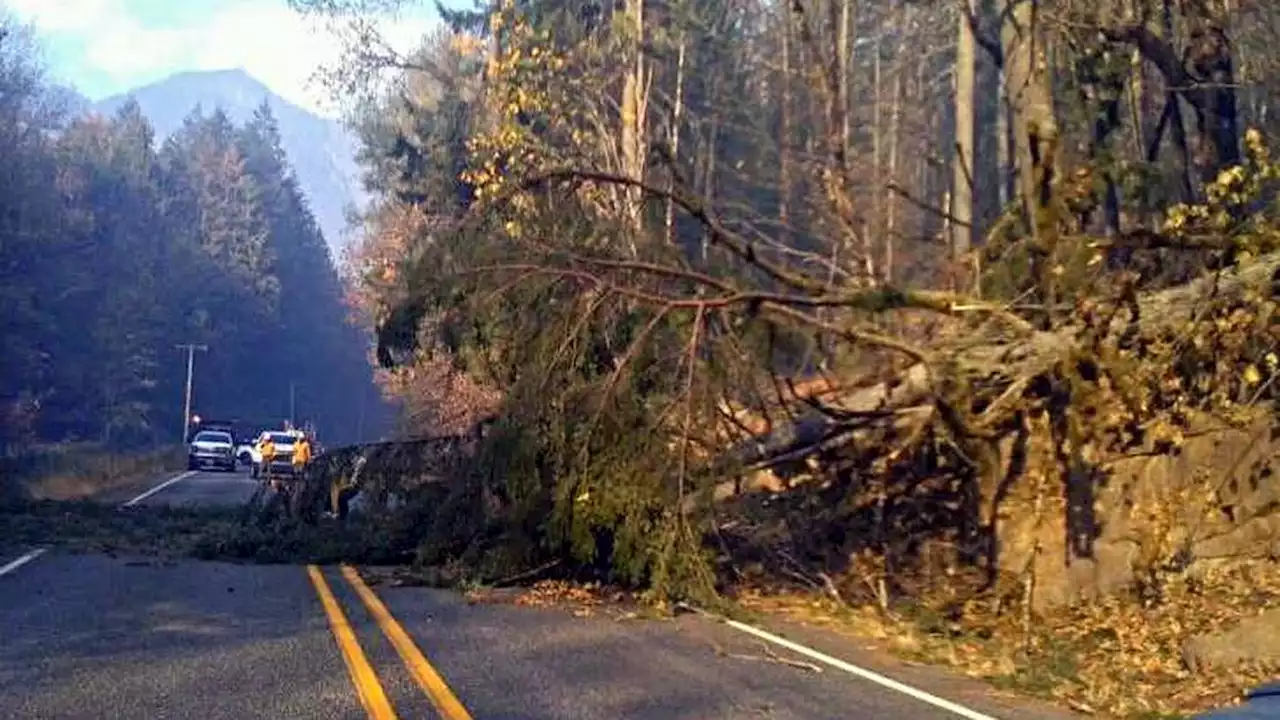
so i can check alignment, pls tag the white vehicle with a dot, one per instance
(211, 447)
(282, 463)
(247, 452)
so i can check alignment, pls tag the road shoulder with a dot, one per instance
(126, 492)
(559, 663)
(974, 693)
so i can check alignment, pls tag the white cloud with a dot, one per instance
(124, 49)
(283, 48)
(271, 42)
(70, 16)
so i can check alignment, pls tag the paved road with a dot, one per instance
(111, 637)
(204, 487)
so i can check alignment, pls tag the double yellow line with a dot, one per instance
(365, 679)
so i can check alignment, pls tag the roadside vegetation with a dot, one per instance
(75, 472)
(955, 317)
(117, 246)
(951, 324)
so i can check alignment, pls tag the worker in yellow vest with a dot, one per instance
(301, 455)
(267, 448)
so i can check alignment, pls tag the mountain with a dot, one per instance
(321, 151)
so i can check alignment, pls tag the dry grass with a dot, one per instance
(71, 472)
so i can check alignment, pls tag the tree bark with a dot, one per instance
(1206, 81)
(961, 209)
(676, 117)
(895, 130)
(1036, 144)
(784, 132)
(633, 119)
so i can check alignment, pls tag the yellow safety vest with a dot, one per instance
(301, 453)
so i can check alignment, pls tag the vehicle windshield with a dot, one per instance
(213, 437)
(281, 438)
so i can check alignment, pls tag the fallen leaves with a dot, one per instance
(1129, 654)
(551, 593)
(1116, 656)
(581, 599)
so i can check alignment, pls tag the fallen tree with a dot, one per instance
(1089, 418)
(996, 420)
(1004, 408)
(1050, 438)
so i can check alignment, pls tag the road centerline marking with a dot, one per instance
(23, 560)
(445, 702)
(368, 688)
(171, 481)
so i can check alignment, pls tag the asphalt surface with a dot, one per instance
(205, 487)
(112, 637)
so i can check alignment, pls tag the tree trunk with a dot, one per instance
(877, 135)
(961, 209)
(1036, 137)
(1206, 80)
(844, 60)
(676, 113)
(784, 133)
(890, 199)
(1004, 150)
(633, 117)
(1210, 58)
(709, 174)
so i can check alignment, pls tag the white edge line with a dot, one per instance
(863, 673)
(175, 479)
(21, 561)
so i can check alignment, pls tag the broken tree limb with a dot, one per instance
(1005, 365)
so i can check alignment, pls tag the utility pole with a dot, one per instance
(191, 349)
(293, 418)
(360, 421)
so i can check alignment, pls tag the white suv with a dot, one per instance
(211, 447)
(247, 451)
(282, 463)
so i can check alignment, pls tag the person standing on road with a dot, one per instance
(301, 455)
(267, 449)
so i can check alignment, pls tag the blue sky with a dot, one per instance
(104, 47)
